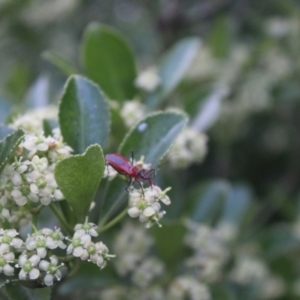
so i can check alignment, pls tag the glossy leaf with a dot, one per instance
(153, 136)
(15, 291)
(26, 290)
(108, 60)
(48, 126)
(59, 62)
(173, 68)
(78, 178)
(83, 114)
(8, 146)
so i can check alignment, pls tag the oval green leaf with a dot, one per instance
(173, 68)
(78, 178)
(153, 136)
(108, 60)
(84, 116)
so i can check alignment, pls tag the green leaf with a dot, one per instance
(15, 291)
(173, 68)
(108, 60)
(26, 290)
(48, 126)
(153, 136)
(83, 114)
(78, 178)
(8, 146)
(61, 63)
(40, 294)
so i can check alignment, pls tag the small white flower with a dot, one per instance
(9, 238)
(132, 112)
(37, 242)
(99, 254)
(189, 147)
(52, 270)
(79, 242)
(28, 267)
(5, 260)
(145, 204)
(109, 172)
(89, 228)
(148, 80)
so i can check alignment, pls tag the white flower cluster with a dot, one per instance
(250, 269)
(190, 147)
(83, 247)
(187, 286)
(33, 268)
(148, 80)
(132, 247)
(32, 121)
(30, 178)
(36, 261)
(132, 112)
(211, 249)
(43, 240)
(33, 250)
(145, 204)
(9, 244)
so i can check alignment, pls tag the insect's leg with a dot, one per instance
(141, 188)
(128, 184)
(148, 175)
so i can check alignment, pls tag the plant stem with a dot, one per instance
(101, 222)
(60, 217)
(113, 221)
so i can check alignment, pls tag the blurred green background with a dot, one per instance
(247, 73)
(252, 47)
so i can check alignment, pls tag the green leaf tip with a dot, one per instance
(153, 136)
(108, 60)
(84, 115)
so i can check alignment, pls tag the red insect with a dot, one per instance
(127, 168)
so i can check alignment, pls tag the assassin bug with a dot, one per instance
(124, 167)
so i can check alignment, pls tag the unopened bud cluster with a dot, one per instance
(33, 258)
(145, 204)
